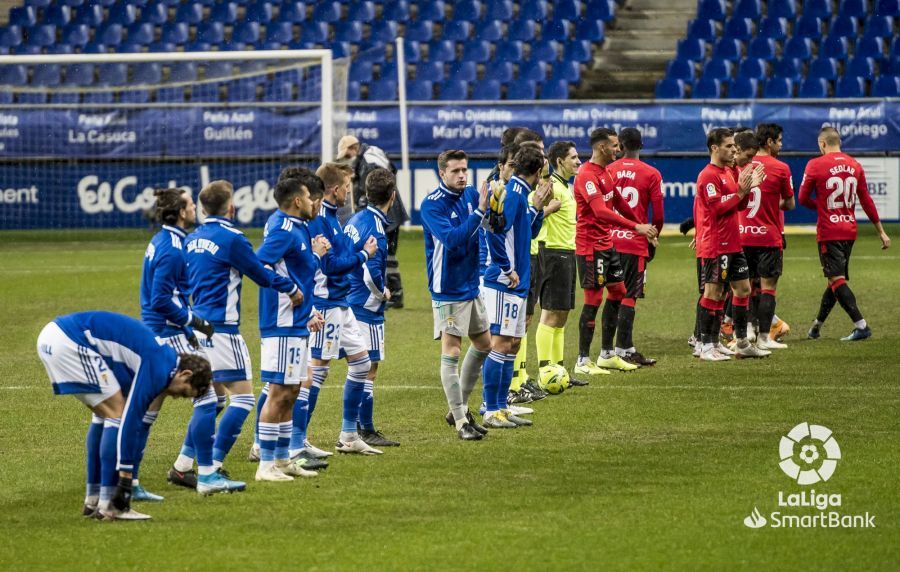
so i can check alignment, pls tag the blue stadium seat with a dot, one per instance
(109, 34)
(489, 31)
(578, 50)
(813, 87)
(498, 10)
(861, 67)
(112, 74)
(361, 72)
(23, 16)
(775, 28)
(728, 49)
(468, 10)
(66, 97)
(218, 69)
(57, 14)
(123, 14)
(817, 9)
(225, 13)
(140, 34)
(327, 11)
(45, 75)
(669, 89)
(246, 33)
(702, 30)
(59, 48)
(26, 50)
(183, 72)
(172, 95)
(189, 13)
(361, 11)
(522, 30)
(536, 9)
(175, 33)
(762, 48)
(397, 11)
(747, 9)
(242, 91)
(752, 68)
(340, 49)
(843, 26)
(89, 15)
(854, 8)
(486, 90)
(477, 51)
(566, 71)
(76, 34)
(314, 32)
(154, 13)
(808, 27)
(788, 68)
(779, 87)
(348, 31)
(781, 9)
(680, 69)
(10, 36)
(6, 97)
(510, 51)
(555, 89)
(353, 91)
(278, 91)
(434, 11)
(834, 47)
(454, 91)
(886, 86)
(743, 88)
(383, 31)
(545, 50)
(420, 90)
(412, 50)
(127, 47)
(521, 89)
(146, 73)
(870, 48)
(533, 70)
(98, 97)
(739, 28)
(388, 70)
(79, 74)
(567, 9)
(38, 3)
(456, 31)
(463, 71)
(294, 12)
(879, 27)
(717, 68)
(211, 32)
(849, 86)
(441, 51)
(419, 31)
(691, 49)
(32, 98)
(137, 96)
(711, 10)
(259, 12)
(42, 35)
(281, 32)
(559, 30)
(887, 8)
(707, 88)
(798, 48)
(205, 92)
(604, 10)
(590, 29)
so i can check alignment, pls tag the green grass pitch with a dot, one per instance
(649, 470)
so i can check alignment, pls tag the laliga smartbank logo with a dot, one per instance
(809, 454)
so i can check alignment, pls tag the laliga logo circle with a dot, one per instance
(809, 454)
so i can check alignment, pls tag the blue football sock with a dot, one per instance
(354, 389)
(506, 381)
(284, 441)
(263, 396)
(109, 475)
(143, 434)
(319, 375)
(202, 429)
(92, 445)
(268, 438)
(367, 407)
(300, 420)
(230, 425)
(492, 374)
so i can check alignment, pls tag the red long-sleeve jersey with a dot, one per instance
(762, 221)
(716, 206)
(640, 185)
(831, 185)
(595, 199)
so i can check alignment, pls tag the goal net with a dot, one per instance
(84, 139)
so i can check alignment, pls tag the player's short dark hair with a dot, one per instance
(600, 135)
(831, 135)
(529, 160)
(766, 131)
(333, 174)
(740, 129)
(717, 136)
(507, 152)
(168, 205)
(201, 371)
(558, 151)
(380, 185)
(746, 140)
(214, 197)
(508, 137)
(450, 155)
(630, 139)
(527, 135)
(288, 187)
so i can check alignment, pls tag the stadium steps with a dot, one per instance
(637, 50)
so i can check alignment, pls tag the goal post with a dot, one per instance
(85, 138)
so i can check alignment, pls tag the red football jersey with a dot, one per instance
(639, 185)
(595, 197)
(762, 220)
(836, 180)
(716, 205)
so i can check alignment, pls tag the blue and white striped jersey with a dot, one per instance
(332, 280)
(366, 296)
(142, 363)
(218, 256)
(165, 290)
(288, 250)
(510, 249)
(451, 221)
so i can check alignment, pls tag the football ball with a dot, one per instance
(554, 379)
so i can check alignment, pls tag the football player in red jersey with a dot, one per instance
(831, 184)
(716, 204)
(640, 185)
(598, 262)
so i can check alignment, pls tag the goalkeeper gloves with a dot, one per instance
(496, 218)
(202, 326)
(121, 501)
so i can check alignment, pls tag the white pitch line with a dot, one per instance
(861, 257)
(635, 386)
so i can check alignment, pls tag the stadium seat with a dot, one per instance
(141, 34)
(533, 70)
(6, 97)
(146, 73)
(808, 27)
(175, 33)
(558, 30)
(463, 71)
(32, 98)
(477, 51)
(395, 11)
(669, 89)
(112, 74)
(817, 9)
(57, 14)
(779, 87)
(691, 49)
(211, 32)
(680, 69)
(98, 97)
(603, 10)
(861, 67)
(702, 30)
(486, 90)
(42, 35)
(10, 36)
(314, 32)
(762, 48)
(183, 72)
(109, 35)
(578, 50)
(743, 88)
(510, 51)
(23, 16)
(281, 32)
(26, 50)
(454, 91)
(879, 27)
(412, 51)
(717, 68)
(172, 95)
(843, 26)
(47, 75)
(137, 96)
(499, 10)
(242, 91)
(419, 31)
(434, 11)
(123, 14)
(361, 11)
(849, 86)
(521, 90)
(711, 10)
(431, 71)
(89, 15)
(468, 10)
(523, 31)
(788, 68)
(545, 50)
(501, 71)
(774, 28)
(420, 90)
(798, 48)
(353, 91)
(79, 74)
(536, 9)
(154, 13)
(383, 31)
(813, 88)
(278, 91)
(441, 51)
(66, 97)
(161, 47)
(870, 48)
(387, 70)
(189, 14)
(59, 48)
(853, 8)
(747, 9)
(566, 71)
(739, 28)
(752, 68)
(567, 9)
(786, 9)
(294, 12)
(204, 92)
(489, 31)
(887, 8)
(348, 31)
(226, 13)
(728, 49)
(886, 86)
(76, 34)
(707, 88)
(246, 33)
(326, 11)
(834, 47)
(590, 29)
(456, 31)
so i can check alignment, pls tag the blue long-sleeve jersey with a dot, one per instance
(332, 278)
(451, 221)
(165, 290)
(287, 248)
(366, 296)
(218, 256)
(142, 364)
(510, 249)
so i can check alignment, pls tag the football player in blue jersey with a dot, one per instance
(165, 308)
(285, 328)
(451, 217)
(118, 368)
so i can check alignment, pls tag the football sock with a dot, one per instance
(559, 345)
(367, 406)
(707, 319)
(92, 446)
(544, 340)
(283, 443)
(766, 312)
(846, 299)
(609, 321)
(728, 307)
(586, 325)
(450, 379)
(698, 317)
(202, 429)
(263, 396)
(299, 421)
(143, 433)
(492, 375)
(520, 373)
(354, 388)
(506, 381)
(109, 474)
(230, 426)
(268, 439)
(739, 311)
(625, 326)
(319, 375)
(825, 307)
(469, 372)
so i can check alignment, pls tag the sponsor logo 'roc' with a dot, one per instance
(809, 454)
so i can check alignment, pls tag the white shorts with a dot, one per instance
(284, 360)
(228, 355)
(466, 318)
(339, 337)
(506, 311)
(180, 344)
(373, 336)
(75, 369)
